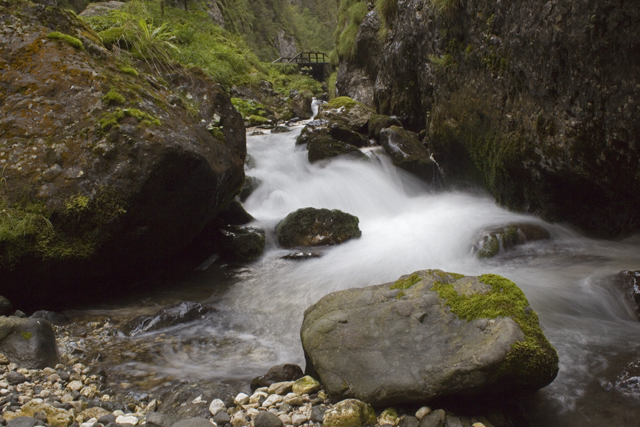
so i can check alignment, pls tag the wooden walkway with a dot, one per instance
(317, 62)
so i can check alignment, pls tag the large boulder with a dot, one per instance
(316, 227)
(428, 335)
(408, 153)
(109, 171)
(29, 343)
(537, 101)
(347, 112)
(322, 146)
(240, 243)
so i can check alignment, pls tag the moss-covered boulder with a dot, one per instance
(316, 227)
(428, 335)
(348, 136)
(377, 122)
(502, 239)
(322, 146)
(408, 153)
(306, 385)
(350, 413)
(108, 169)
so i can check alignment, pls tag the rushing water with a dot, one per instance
(406, 226)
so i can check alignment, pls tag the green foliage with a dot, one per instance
(76, 43)
(129, 70)
(248, 107)
(257, 120)
(113, 97)
(331, 85)
(387, 9)
(350, 15)
(287, 81)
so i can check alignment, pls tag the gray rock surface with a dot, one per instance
(22, 422)
(267, 419)
(179, 402)
(193, 422)
(29, 343)
(400, 342)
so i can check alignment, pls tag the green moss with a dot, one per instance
(341, 101)
(113, 97)
(113, 118)
(350, 15)
(76, 43)
(406, 283)
(257, 120)
(216, 132)
(249, 108)
(533, 357)
(129, 70)
(26, 335)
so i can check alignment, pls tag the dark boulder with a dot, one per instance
(504, 238)
(408, 153)
(111, 185)
(179, 402)
(172, 315)
(277, 374)
(316, 227)
(377, 122)
(322, 146)
(235, 214)
(346, 135)
(6, 308)
(428, 335)
(29, 343)
(267, 419)
(249, 186)
(240, 243)
(52, 317)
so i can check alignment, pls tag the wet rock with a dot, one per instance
(240, 243)
(377, 122)
(346, 135)
(156, 419)
(629, 282)
(316, 227)
(267, 419)
(350, 413)
(322, 146)
(179, 402)
(172, 315)
(415, 347)
(29, 343)
(434, 419)
(301, 104)
(235, 214)
(300, 256)
(280, 129)
(408, 421)
(6, 308)
(278, 374)
(249, 186)
(347, 112)
(505, 238)
(408, 153)
(52, 317)
(14, 377)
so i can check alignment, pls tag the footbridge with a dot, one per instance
(317, 64)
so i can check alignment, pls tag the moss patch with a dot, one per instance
(77, 43)
(26, 335)
(406, 283)
(113, 97)
(129, 70)
(534, 356)
(341, 101)
(113, 118)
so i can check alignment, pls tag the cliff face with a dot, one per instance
(538, 100)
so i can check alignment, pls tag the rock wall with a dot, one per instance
(538, 101)
(108, 171)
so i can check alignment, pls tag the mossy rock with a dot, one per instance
(350, 413)
(428, 335)
(241, 243)
(408, 153)
(306, 385)
(377, 122)
(347, 112)
(348, 136)
(316, 227)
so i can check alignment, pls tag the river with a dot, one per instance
(406, 226)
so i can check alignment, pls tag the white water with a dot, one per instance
(407, 227)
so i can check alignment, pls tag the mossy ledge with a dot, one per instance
(56, 35)
(532, 362)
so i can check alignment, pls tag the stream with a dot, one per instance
(406, 226)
